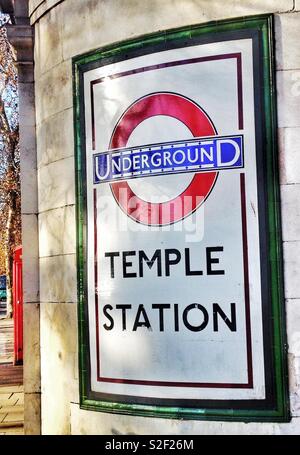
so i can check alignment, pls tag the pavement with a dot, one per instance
(11, 388)
(11, 410)
(6, 341)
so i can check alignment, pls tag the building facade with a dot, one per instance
(64, 30)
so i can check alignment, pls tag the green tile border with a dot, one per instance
(263, 25)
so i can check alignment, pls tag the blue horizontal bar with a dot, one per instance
(194, 155)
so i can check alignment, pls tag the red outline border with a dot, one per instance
(249, 384)
(96, 278)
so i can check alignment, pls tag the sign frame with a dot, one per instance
(275, 408)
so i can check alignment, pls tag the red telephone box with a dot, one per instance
(18, 306)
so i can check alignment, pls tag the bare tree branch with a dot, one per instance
(10, 220)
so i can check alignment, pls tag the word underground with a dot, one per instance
(162, 262)
(209, 154)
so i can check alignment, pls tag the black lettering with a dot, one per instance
(127, 264)
(168, 261)
(185, 317)
(123, 308)
(137, 323)
(210, 260)
(105, 309)
(112, 262)
(176, 318)
(231, 323)
(150, 262)
(161, 307)
(188, 270)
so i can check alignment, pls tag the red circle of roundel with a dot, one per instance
(197, 121)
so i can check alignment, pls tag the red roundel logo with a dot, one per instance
(198, 122)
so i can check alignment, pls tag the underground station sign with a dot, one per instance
(180, 293)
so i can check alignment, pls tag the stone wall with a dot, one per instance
(67, 28)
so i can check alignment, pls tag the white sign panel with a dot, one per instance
(173, 227)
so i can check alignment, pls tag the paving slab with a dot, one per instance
(12, 431)
(20, 401)
(12, 409)
(10, 402)
(5, 395)
(14, 417)
(2, 416)
(18, 395)
(11, 388)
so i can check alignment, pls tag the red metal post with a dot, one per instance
(18, 306)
